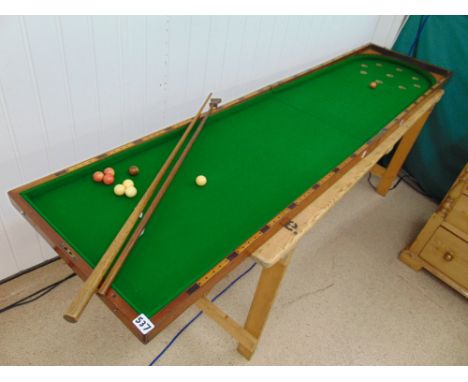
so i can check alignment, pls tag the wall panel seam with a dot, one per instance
(58, 27)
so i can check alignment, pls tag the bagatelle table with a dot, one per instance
(276, 160)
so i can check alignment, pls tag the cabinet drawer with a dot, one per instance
(458, 216)
(449, 254)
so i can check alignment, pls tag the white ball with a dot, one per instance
(119, 189)
(128, 183)
(200, 180)
(130, 192)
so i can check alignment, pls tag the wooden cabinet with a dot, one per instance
(449, 254)
(458, 216)
(442, 245)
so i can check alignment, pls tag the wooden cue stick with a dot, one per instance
(147, 216)
(73, 313)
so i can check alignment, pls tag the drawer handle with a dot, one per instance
(448, 256)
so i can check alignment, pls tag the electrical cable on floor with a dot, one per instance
(36, 295)
(171, 342)
(408, 180)
(43, 291)
(413, 183)
(400, 178)
(28, 270)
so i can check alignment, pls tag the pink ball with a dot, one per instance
(109, 171)
(98, 176)
(108, 179)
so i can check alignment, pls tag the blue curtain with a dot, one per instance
(442, 147)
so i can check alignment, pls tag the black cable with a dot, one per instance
(408, 180)
(400, 178)
(194, 318)
(36, 295)
(33, 268)
(413, 183)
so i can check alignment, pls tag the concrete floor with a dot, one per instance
(346, 300)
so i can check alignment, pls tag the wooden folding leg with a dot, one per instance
(268, 284)
(227, 323)
(265, 293)
(388, 175)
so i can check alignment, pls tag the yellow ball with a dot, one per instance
(119, 189)
(130, 192)
(128, 183)
(200, 180)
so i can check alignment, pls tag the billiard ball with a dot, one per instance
(128, 183)
(373, 85)
(133, 170)
(98, 176)
(119, 189)
(108, 179)
(200, 180)
(109, 170)
(130, 192)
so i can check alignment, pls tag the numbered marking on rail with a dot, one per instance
(292, 226)
(143, 324)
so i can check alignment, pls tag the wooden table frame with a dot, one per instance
(275, 255)
(266, 246)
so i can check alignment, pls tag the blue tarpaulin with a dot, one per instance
(441, 150)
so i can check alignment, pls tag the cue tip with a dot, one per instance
(215, 102)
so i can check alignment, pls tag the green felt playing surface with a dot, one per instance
(258, 157)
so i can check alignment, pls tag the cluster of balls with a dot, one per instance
(127, 187)
(106, 176)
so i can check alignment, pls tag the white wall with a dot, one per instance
(73, 87)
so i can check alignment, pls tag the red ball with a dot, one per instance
(133, 170)
(373, 85)
(108, 179)
(109, 171)
(98, 176)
